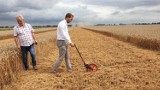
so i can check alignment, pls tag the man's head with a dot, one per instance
(20, 20)
(69, 17)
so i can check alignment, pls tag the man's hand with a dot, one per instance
(72, 44)
(35, 42)
(19, 48)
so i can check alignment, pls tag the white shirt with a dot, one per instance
(24, 34)
(62, 32)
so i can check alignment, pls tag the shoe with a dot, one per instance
(35, 68)
(54, 72)
(26, 69)
(70, 71)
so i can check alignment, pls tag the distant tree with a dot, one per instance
(158, 22)
(122, 24)
(69, 25)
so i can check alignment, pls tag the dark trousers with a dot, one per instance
(25, 50)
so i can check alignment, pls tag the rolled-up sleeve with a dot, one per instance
(31, 28)
(15, 32)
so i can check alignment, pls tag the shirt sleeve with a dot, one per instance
(68, 37)
(64, 32)
(15, 32)
(31, 28)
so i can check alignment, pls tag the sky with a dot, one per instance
(90, 12)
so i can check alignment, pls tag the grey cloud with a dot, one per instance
(83, 6)
(49, 12)
(157, 11)
(123, 4)
(116, 12)
(16, 5)
(36, 4)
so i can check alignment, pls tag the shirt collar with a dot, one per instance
(65, 21)
(24, 25)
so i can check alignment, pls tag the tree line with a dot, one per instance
(128, 24)
(40, 26)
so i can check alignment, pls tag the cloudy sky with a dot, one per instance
(50, 12)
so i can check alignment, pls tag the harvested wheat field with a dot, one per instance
(144, 36)
(146, 31)
(121, 66)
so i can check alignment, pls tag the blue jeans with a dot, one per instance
(25, 50)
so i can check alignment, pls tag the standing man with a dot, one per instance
(63, 40)
(25, 39)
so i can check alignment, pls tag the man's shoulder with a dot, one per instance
(62, 22)
(27, 24)
(16, 26)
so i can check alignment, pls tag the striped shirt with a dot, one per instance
(24, 34)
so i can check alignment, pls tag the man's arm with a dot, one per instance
(64, 32)
(33, 34)
(34, 38)
(17, 42)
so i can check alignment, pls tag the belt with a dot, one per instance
(61, 40)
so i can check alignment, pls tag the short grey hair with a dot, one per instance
(19, 16)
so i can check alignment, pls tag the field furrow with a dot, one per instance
(120, 66)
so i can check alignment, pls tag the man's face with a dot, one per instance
(20, 21)
(69, 19)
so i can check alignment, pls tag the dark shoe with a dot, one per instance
(70, 71)
(26, 69)
(35, 68)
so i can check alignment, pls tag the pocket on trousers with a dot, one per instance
(60, 43)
